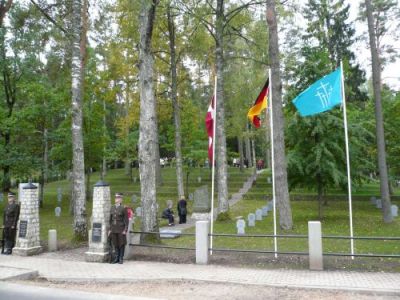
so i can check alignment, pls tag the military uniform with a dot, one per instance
(10, 220)
(118, 224)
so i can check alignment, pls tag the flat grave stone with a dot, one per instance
(251, 219)
(170, 233)
(240, 225)
(258, 215)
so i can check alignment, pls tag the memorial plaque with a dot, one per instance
(201, 200)
(96, 233)
(23, 227)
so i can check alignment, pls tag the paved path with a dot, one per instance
(236, 197)
(63, 270)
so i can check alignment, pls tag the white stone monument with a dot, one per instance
(251, 218)
(28, 237)
(265, 210)
(378, 203)
(100, 224)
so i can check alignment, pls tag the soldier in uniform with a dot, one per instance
(118, 228)
(10, 220)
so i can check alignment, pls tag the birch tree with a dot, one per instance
(78, 35)
(148, 141)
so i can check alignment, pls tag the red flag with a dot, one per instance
(210, 128)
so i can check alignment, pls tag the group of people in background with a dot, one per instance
(182, 212)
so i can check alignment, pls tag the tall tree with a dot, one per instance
(281, 184)
(148, 142)
(79, 27)
(380, 133)
(4, 8)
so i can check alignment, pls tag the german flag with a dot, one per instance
(259, 105)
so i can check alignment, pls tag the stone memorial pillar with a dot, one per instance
(202, 204)
(28, 236)
(100, 224)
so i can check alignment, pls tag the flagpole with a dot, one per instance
(271, 122)
(213, 164)
(348, 163)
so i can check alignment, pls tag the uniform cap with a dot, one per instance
(118, 195)
(11, 194)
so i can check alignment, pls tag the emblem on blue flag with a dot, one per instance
(321, 96)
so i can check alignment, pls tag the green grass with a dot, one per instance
(367, 220)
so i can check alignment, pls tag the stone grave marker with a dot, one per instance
(378, 203)
(139, 211)
(199, 179)
(59, 195)
(134, 199)
(270, 205)
(201, 200)
(258, 215)
(191, 196)
(57, 211)
(395, 210)
(240, 225)
(251, 218)
(373, 200)
(265, 210)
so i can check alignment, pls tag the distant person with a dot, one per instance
(169, 214)
(182, 210)
(118, 228)
(10, 221)
(246, 162)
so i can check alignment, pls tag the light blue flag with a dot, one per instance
(321, 96)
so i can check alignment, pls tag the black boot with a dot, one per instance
(121, 255)
(117, 254)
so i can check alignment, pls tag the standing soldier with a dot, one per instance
(118, 228)
(10, 220)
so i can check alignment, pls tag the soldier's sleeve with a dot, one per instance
(110, 216)
(17, 207)
(126, 219)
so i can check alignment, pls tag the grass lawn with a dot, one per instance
(367, 220)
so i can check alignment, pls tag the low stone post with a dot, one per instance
(315, 245)
(202, 242)
(100, 224)
(52, 240)
(129, 240)
(28, 236)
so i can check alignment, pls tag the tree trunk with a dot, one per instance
(104, 163)
(148, 143)
(223, 205)
(174, 96)
(4, 8)
(45, 156)
(78, 161)
(127, 164)
(240, 146)
(253, 148)
(281, 189)
(247, 147)
(380, 134)
(320, 195)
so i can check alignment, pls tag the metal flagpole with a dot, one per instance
(214, 113)
(347, 162)
(271, 122)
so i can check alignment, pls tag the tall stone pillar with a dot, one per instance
(100, 224)
(28, 235)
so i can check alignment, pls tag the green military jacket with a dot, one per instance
(11, 215)
(118, 219)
